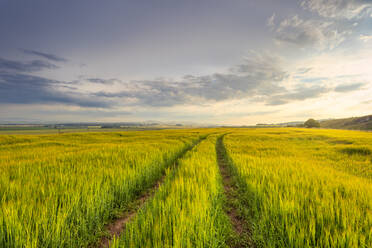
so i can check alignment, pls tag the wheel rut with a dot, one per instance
(243, 235)
(117, 226)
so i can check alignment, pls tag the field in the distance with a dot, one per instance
(268, 187)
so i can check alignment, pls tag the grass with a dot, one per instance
(301, 191)
(294, 187)
(362, 151)
(187, 211)
(59, 190)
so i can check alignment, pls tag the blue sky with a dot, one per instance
(225, 62)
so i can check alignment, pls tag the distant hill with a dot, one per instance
(356, 123)
(291, 123)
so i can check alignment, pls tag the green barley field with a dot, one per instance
(263, 187)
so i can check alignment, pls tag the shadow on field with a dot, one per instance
(243, 235)
(363, 151)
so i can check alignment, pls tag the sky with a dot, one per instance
(237, 62)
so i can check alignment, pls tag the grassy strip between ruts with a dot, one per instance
(187, 210)
(116, 227)
(242, 237)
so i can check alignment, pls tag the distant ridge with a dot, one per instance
(354, 123)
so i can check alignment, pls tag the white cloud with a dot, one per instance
(320, 34)
(339, 9)
(366, 38)
(270, 21)
(259, 75)
(348, 87)
(299, 94)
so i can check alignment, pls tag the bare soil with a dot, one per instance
(243, 234)
(117, 226)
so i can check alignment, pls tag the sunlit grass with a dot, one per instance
(303, 189)
(59, 190)
(298, 187)
(187, 211)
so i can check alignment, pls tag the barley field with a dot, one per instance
(59, 190)
(305, 188)
(281, 187)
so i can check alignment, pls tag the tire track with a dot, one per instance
(117, 226)
(242, 235)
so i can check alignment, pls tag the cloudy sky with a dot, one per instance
(210, 61)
